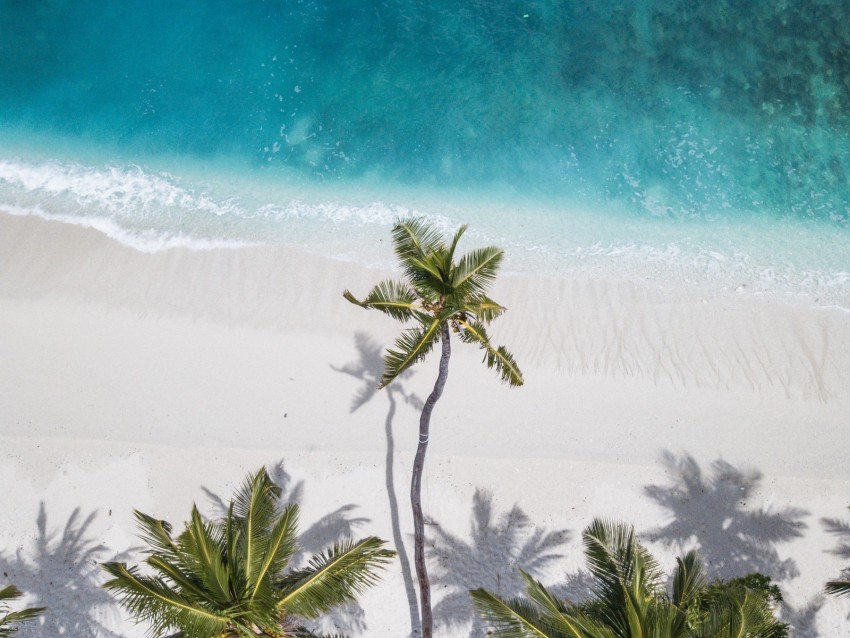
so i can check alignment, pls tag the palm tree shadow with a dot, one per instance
(577, 588)
(715, 513)
(331, 528)
(803, 620)
(62, 573)
(498, 548)
(841, 529)
(368, 369)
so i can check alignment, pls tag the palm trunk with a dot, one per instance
(416, 487)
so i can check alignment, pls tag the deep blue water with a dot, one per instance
(565, 127)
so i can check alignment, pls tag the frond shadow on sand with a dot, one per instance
(499, 546)
(714, 511)
(840, 528)
(338, 525)
(62, 572)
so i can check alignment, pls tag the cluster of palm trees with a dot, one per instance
(630, 598)
(232, 578)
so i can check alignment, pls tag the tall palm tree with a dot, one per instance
(441, 297)
(9, 620)
(229, 578)
(631, 600)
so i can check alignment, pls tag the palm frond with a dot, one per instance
(10, 619)
(476, 270)
(688, 579)
(498, 358)
(626, 575)
(482, 307)
(229, 576)
(448, 261)
(280, 546)
(416, 238)
(201, 550)
(663, 618)
(188, 583)
(255, 508)
(394, 298)
(838, 587)
(515, 618)
(738, 613)
(10, 592)
(157, 534)
(232, 542)
(429, 276)
(424, 257)
(150, 600)
(411, 346)
(560, 620)
(333, 578)
(614, 555)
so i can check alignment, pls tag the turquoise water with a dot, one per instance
(707, 143)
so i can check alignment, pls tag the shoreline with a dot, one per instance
(578, 323)
(133, 380)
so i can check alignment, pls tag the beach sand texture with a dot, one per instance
(149, 381)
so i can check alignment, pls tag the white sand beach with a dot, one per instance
(149, 381)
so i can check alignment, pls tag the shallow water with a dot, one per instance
(678, 143)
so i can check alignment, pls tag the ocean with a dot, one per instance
(677, 143)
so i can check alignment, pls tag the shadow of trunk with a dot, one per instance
(407, 575)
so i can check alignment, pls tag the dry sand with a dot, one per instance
(149, 381)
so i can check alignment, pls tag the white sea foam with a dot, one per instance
(200, 207)
(145, 241)
(111, 189)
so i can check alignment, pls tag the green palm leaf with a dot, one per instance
(151, 600)
(630, 601)
(838, 587)
(498, 358)
(483, 308)
(333, 578)
(411, 346)
(201, 550)
(157, 534)
(9, 620)
(614, 556)
(539, 615)
(477, 270)
(185, 581)
(394, 298)
(516, 618)
(688, 579)
(738, 613)
(556, 616)
(279, 548)
(448, 260)
(430, 279)
(229, 576)
(416, 238)
(254, 508)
